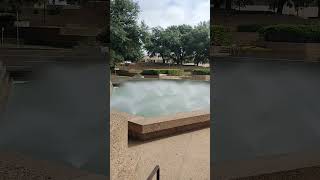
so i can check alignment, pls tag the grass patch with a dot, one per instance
(201, 71)
(255, 49)
(172, 72)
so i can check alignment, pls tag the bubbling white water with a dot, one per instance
(161, 97)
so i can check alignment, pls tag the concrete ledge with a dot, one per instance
(149, 128)
(201, 77)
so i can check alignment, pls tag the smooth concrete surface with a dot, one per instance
(180, 157)
(263, 109)
(183, 156)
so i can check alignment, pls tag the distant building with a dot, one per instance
(156, 59)
(57, 2)
(263, 5)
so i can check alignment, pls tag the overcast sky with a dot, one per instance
(174, 12)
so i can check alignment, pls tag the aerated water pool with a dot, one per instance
(151, 98)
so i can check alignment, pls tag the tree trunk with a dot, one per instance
(318, 8)
(280, 6)
(44, 13)
(228, 5)
(216, 4)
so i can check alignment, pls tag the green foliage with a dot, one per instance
(157, 43)
(173, 72)
(291, 33)
(205, 71)
(181, 43)
(242, 3)
(250, 27)
(198, 43)
(220, 35)
(125, 32)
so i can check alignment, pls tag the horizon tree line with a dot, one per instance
(177, 43)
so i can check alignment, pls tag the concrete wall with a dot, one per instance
(245, 38)
(306, 51)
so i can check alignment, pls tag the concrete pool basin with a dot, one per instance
(148, 128)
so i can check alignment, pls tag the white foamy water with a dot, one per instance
(161, 97)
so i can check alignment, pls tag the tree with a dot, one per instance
(169, 43)
(43, 4)
(217, 3)
(176, 38)
(157, 44)
(229, 4)
(318, 3)
(77, 1)
(278, 5)
(242, 3)
(125, 31)
(300, 4)
(199, 43)
(180, 44)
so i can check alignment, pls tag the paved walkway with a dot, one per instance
(181, 157)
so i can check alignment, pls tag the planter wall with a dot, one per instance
(306, 51)
(201, 77)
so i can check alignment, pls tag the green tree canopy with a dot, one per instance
(199, 42)
(125, 32)
(182, 43)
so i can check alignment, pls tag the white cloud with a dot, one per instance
(173, 12)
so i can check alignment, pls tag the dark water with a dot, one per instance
(264, 108)
(60, 115)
